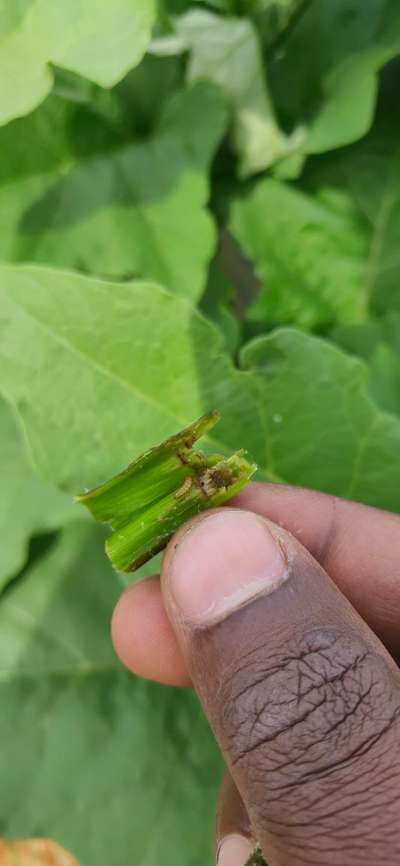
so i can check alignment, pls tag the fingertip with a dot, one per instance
(143, 637)
(219, 561)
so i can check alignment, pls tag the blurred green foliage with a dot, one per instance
(199, 208)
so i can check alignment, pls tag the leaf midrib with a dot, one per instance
(110, 374)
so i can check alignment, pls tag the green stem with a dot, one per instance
(147, 502)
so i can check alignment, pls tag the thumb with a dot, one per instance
(302, 697)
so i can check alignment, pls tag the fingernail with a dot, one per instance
(234, 850)
(222, 562)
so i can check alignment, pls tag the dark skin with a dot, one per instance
(293, 661)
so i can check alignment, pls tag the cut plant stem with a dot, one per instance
(147, 502)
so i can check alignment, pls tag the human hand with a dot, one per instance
(299, 689)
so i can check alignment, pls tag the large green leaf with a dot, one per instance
(84, 195)
(112, 369)
(115, 368)
(226, 50)
(309, 254)
(325, 73)
(28, 505)
(116, 770)
(95, 39)
(322, 429)
(370, 173)
(378, 342)
(330, 251)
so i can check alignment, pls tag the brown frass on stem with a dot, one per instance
(147, 502)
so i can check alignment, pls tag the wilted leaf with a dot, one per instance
(118, 770)
(309, 255)
(34, 852)
(28, 505)
(96, 40)
(106, 205)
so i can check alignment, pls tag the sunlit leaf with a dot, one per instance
(99, 41)
(28, 505)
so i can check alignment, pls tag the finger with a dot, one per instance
(303, 699)
(143, 637)
(357, 545)
(234, 841)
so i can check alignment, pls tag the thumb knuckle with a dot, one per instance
(303, 716)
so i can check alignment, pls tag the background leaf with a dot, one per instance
(241, 175)
(322, 429)
(105, 204)
(118, 390)
(97, 41)
(92, 737)
(316, 277)
(370, 173)
(226, 50)
(378, 342)
(217, 304)
(325, 74)
(116, 368)
(28, 505)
